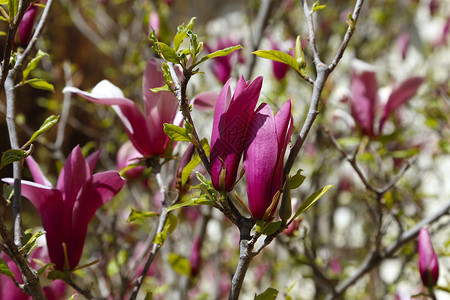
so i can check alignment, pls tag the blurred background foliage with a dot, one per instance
(88, 41)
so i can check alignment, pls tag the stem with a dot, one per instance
(374, 258)
(85, 292)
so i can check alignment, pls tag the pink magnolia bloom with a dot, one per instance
(232, 117)
(267, 139)
(67, 209)
(364, 98)
(128, 155)
(222, 66)
(26, 25)
(146, 132)
(428, 262)
(8, 290)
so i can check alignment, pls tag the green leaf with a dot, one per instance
(8, 192)
(43, 268)
(311, 200)
(169, 53)
(170, 226)
(72, 297)
(40, 84)
(2, 2)
(4, 269)
(297, 180)
(317, 6)
(269, 294)
(48, 123)
(139, 215)
(176, 133)
(179, 264)
(190, 25)
(56, 274)
(159, 89)
(31, 242)
(2, 33)
(271, 228)
(219, 53)
(13, 8)
(191, 202)
(10, 156)
(187, 170)
(33, 63)
(278, 56)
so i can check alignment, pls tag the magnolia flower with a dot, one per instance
(232, 117)
(67, 209)
(8, 290)
(364, 98)
(26, 25)
(128, 155)
(146, 132)
(222, 65)
(268, 137)
(428, 262)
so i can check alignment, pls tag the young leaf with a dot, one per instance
(271, 228)
(187, 170)
(10, 156)
(33, 63)
(176, 133)
(4, 269)
(8, 192)
(48, 123)
(269, 294)
(159, 89)
(40, 84)
(191, 202)
(139, 215)
(219, 53)
(168, 53)
(43, 268)
(278, 56)
(311, 200)
(317, 6)
(170, 226)
(31, 242)
(179, 37)
(3, 2)
(179, 264)
(13, 7)
(296, 180)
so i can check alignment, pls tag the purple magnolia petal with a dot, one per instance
(26, 25)
(132, 118)
(260, 159)
(74, 174)
(128, 155)
(399, 96)
(36, 172)
(428, 262)
(240, 86)
(98, 190)
(92, 160)
(220, 108)
(364, 100)
(205, 101)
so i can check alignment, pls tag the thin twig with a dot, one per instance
(85, 292)
(373, 259)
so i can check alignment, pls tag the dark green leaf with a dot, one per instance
(278, 56)
(176, 133)
(33, 63)
(56, 274)
(179, 264)
(269, 294)
(4, 269)
(311, 200)
(168, 53)
(297, 180)
(43, 268)
(139, 215)
(48, 123)
(271, 228)
(10, 156)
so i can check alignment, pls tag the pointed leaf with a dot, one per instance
(40, 84)
(269, 294)
(219, 53)
(48, 123)
(187, 170)
(33, 63)
(296, 180)
(317, 6)
(31, 242)
(13, 7)
(4, 269)
(179, 264)
(10, 156)
(176, 133)
(139, 215)
(43, 268)
(168, 53)
(8, 192)
(191, 202)
(278, 56)
(271, 228)
(159, 89)
(170, 226)
(311, 200)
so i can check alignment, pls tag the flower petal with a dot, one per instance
(399, 96)
(205, 101)
(132, 118)
(260, 159)
(36, 172)
(92, 160)
(98, 190)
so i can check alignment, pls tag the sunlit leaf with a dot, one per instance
(279, 56)
(179, 264)
(10, 156)
(311, 200)
(139, 215)
(219, 53)
(4, 269)
(191, 202)
(169, 53)
(33, 63)
(268, 294)
(40, 84)
(48, 123)
(176, 133)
